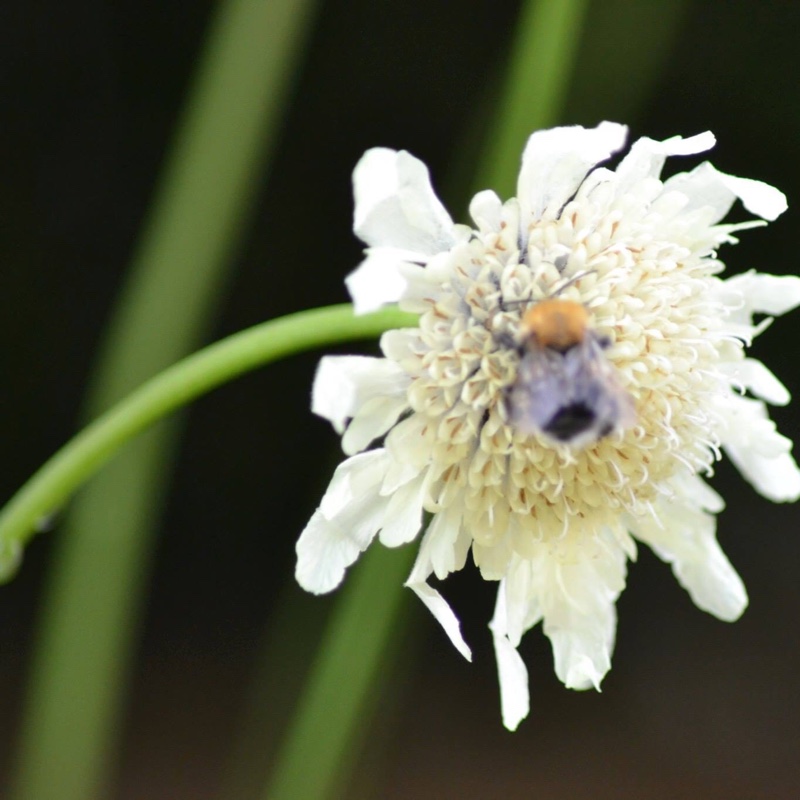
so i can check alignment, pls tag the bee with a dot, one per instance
(566, 388)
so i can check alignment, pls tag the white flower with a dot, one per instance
(554, 522)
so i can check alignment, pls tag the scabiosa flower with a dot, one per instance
(432, 426)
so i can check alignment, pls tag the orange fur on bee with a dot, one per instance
(556, 324)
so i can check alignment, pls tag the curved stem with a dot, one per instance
(196, 375)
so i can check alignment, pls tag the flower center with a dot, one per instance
(646, 297)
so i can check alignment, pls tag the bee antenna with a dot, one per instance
(564, 286)
(573, 280)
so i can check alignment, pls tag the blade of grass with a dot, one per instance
(631, 41)
(70, 725)
(317, 754)
(535, 87)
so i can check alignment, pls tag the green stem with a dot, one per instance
(187, 380)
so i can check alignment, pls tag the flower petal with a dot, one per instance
(521, 597)
(555, 162)
(346, 522)
(706, 186)
(764, 294)
(486, 209)
(373, 419)
(777, 479)
(685, 537)
(511, 670)
(444, 549)
(429, 282)
(403, 514)
(344, 384)
(377, 280)
(396, 205)
(759, 452)
(696, 493)
(759, 198)
(646, 157)
(689, 146)
(443, 614)
(446, 544)
(493, 560)
(753, 375)
(580, 616)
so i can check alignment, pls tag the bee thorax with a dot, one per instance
(555, 324)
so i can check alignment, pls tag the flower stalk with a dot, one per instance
(52, 485)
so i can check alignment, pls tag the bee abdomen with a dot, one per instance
(571, 421)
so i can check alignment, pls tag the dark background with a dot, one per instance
(89, 92)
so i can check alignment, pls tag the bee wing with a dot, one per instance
(574, 397)
(539, 391)
(595, 383)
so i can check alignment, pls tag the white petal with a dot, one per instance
(373, 419)
(377, 281)
(442, 551)
(581, 660)
(324, 552)
(398, 345)
(446, 545)
(777, 478)
(409, 443)
(580, 619)
(765, 294)
(443, 614)
(759, 452)
(343, 526)
(759, 198)
(695, 492)
(748, 426)
(706, 186)
(646, 157)
(353, 478)
(753, 375)
(691, 145)
(486, 209)
(396, 205)
(521, 588)
(703, 189)
(343, 384)
(403, 514)
(431, 282)
(686, 540)
(555, 162)
(513, 676)
(398, 474)
(493, 560)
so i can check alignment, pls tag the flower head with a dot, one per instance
(456, 413)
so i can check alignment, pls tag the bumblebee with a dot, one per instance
(566, 388)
